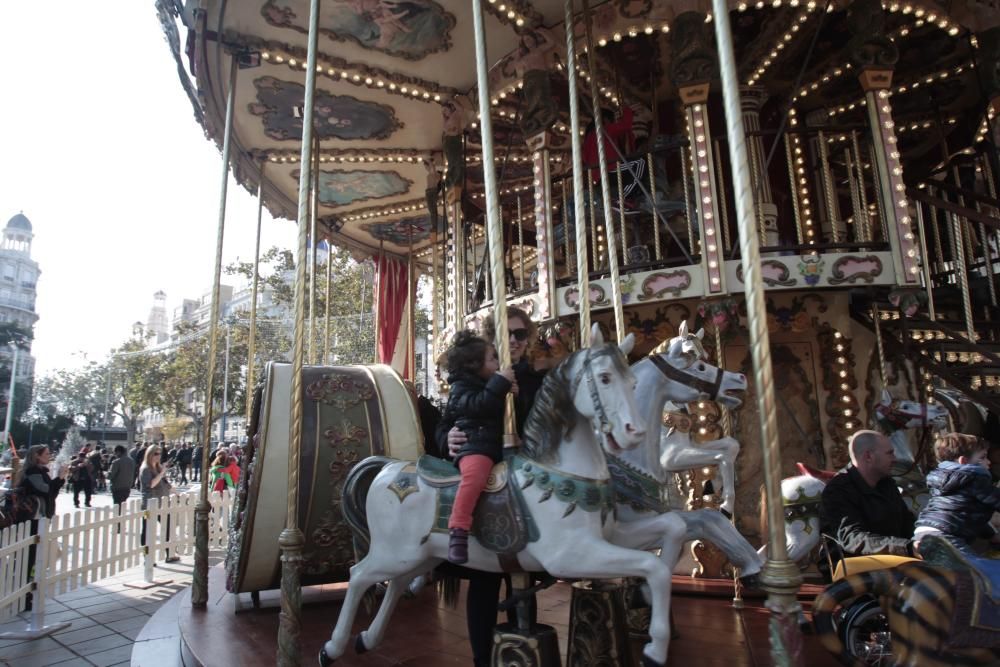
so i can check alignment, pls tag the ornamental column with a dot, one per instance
(539, 113)
(752, 99)
(874, 55)
(456, 112)
(692, 66)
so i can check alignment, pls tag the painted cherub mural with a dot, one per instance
(337, 116)
(408, 29)
(339, 188)
(398, 232)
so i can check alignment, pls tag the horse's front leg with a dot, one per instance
(596, 559)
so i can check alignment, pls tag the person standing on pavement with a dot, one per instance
(184, 460)
(138, 456)
(121, 476)
(196, 463)
(154, 484)
(33, 480)
(82, 475)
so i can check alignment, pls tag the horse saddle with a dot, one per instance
(501, 522)
(976, 619)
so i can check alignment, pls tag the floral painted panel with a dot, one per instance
(337, 116)
(398, 231)
(409, 29)
(339, 188)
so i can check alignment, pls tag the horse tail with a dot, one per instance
(355, 492)
(448, 587)
(877, 583)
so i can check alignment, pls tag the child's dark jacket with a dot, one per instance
(476, 407)
(962, 502)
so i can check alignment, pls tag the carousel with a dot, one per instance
(744, 230)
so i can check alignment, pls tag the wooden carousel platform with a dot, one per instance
(426, 633)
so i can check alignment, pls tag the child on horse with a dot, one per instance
(476, 406)
(963, 498)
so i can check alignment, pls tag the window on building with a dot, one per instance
(8, 272)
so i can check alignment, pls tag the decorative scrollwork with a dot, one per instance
(869, 47)
(693, 57)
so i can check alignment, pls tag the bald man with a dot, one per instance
(862, 506)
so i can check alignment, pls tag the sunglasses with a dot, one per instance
(519, 334)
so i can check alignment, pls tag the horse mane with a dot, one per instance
(553, 415)
(550, 418)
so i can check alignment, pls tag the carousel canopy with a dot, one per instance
(389, 69)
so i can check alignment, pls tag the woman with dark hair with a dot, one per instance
(484, 587)
(34, 481)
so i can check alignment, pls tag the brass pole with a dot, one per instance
(602, 169)
(621, 214)
(326, 327)
(652, 190)
(829, 192)
(313, 244)
(859, 166)
(199, 581)
(582, 266)
(987, 259)
(780, 577)
(723, 207)
(493, 221)
(688, 210)
(379, 295)
(520, 244)
(882, 216)
(565, 220)
(936, 234)
(252, 343)
(859, 226)
(411, 344)
(794, 188)
(928, 282)
(291, 539)
(876, 321)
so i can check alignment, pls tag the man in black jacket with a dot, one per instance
(862, 508)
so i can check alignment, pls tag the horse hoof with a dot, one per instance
(359, 644)
(324, 659)
(649, 662)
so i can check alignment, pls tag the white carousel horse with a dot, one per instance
(676, 372)
(679, 453)
(586, 405)
(801, 494)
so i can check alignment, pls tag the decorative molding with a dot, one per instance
(869, 46)
(657, 284)
(693, 54)
(354, 186)
(597, 297)
(852, 268)
(811, 269)
(773, 272)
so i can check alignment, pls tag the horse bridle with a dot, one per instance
(595, 398)
(711, 389)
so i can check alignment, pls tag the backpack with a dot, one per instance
(17, 506)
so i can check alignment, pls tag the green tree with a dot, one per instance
(76, 393)
(23, 389)
(134, 379)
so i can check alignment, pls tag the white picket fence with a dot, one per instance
(89, 545)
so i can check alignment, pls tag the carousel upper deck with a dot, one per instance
(869, 127)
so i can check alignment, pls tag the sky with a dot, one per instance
(99, 148)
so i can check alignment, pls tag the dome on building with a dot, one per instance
(19, 221)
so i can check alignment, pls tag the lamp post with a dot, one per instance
(10, 394)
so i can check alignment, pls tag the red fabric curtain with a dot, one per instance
(390, 295)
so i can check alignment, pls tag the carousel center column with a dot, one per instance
(752, 99)
(874, 55)
(540, 111)
(693, 65)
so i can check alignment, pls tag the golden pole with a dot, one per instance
(928, 283)
(829, 193)
(876, 321)
(652, 190)
(326, 327)
(291, 539)
(780, 577)
(794, 188)
(723, 209)
(859, 226)
(378, 297)
(621, 214)
(199, 581)
(859, 166)
(493, 222)
(602, 169)
(252, 343)
(313, 208)
(580, 224)
(689, 212)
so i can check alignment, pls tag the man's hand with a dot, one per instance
(456, 438)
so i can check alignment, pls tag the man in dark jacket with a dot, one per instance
(184, 460)
(963, 498)
(861, 507)
(121, 476)
(196, 464)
